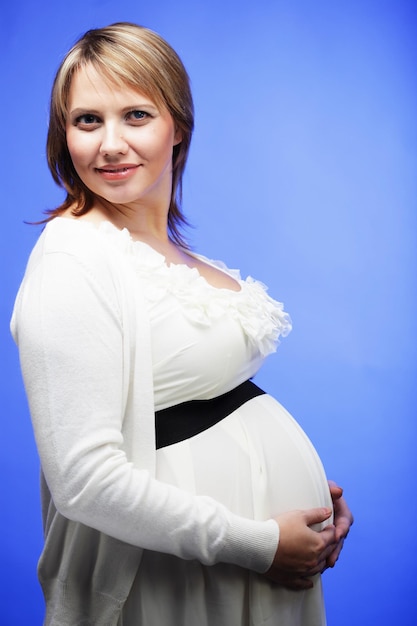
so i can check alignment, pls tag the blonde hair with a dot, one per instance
(133, 56)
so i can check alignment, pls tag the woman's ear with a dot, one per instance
(177, 137)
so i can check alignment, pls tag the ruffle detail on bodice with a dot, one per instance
(262, 319)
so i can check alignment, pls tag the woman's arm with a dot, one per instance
(70, 339)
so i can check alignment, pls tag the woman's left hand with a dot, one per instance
(343, 520)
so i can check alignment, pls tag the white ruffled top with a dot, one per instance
(205, 339)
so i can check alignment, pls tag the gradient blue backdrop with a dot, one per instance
(302, 173)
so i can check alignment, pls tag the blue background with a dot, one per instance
(303, 174)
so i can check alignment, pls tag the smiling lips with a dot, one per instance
(117, 172)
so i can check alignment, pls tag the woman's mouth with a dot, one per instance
(116, 172)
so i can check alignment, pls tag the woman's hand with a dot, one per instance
(302, 552)
(343, 520)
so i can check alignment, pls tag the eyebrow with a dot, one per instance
(133, 107)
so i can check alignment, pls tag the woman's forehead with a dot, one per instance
(101, 79)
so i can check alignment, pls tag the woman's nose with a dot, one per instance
(113, 141)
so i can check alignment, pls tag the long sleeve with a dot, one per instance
(68, 324)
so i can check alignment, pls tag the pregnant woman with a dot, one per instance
(174, 490)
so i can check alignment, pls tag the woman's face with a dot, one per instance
(120, 142)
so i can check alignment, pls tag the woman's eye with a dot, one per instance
(87, 119)
(137, 116)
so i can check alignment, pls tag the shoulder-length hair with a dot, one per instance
(136, 57)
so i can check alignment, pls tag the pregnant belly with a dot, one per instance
(257, 461)
(295, 477)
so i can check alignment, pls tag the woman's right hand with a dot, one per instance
(301, 552)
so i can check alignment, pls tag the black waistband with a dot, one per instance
(187, 419)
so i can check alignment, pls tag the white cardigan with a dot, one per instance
(83, 335)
